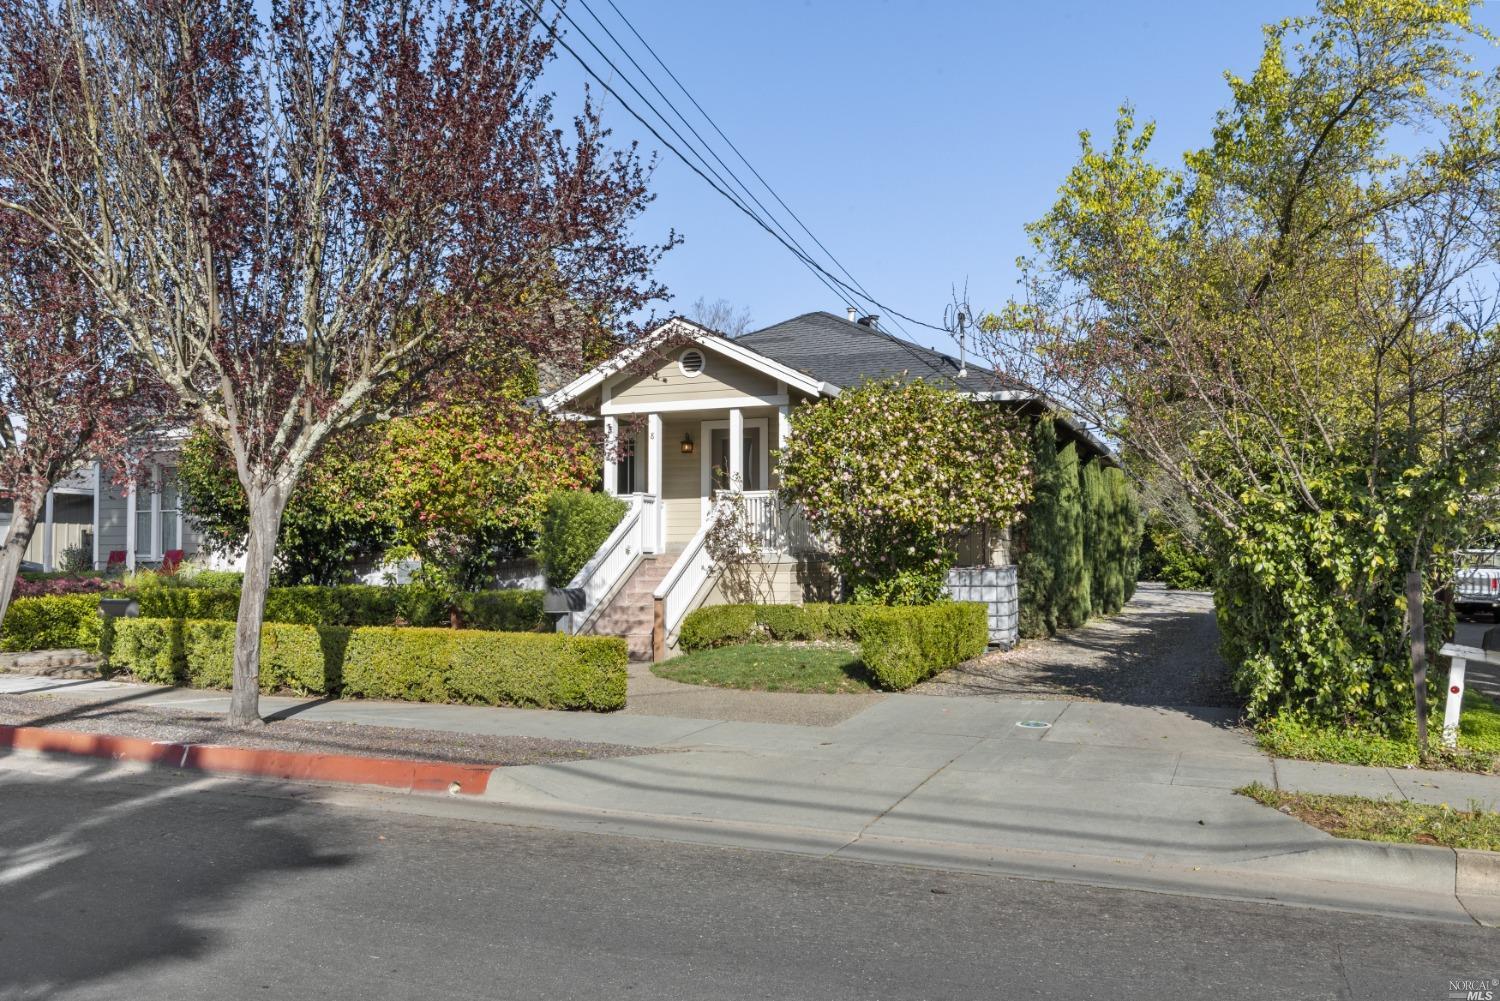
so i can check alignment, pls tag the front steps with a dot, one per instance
(632, 611)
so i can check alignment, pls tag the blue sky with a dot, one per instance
(915, 139)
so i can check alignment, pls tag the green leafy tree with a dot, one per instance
(462, 488)
(330, 521)
(1293, 327)
(894, 472)
(466, 487)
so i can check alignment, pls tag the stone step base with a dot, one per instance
(53, 663)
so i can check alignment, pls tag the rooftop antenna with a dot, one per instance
(957, 315)
(963, 366)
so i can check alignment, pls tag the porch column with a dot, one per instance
(611, 443)
(49, 558)
(653, 479)
(155, 511)
(98, 476)
(130, 524)
(736, 450)
(783, 425)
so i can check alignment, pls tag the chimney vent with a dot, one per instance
(853, 314)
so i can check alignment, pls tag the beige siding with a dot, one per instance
(788, 582)
(720, 378)
(680, 480)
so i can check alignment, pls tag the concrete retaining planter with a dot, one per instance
(995, 586)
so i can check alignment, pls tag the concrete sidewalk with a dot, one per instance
(996, 784)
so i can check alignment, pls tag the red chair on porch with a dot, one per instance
(116, 559)
(171, 560)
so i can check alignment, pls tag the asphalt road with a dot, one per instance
(165, 888)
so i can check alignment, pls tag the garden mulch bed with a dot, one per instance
(1161, 650)
(182, 725)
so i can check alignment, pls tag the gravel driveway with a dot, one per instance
(1161, 650)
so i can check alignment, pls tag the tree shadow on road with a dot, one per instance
(115, 873)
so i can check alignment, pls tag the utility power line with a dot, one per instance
(730, 143)
(849, 290)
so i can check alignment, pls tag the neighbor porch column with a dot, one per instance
(130, 524)
(155, 511)
(98, 492)
(49, 558)
(611, 443)
(653, 479)
(736, 450)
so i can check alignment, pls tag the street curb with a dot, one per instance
(1478, 873)
(1422, 868)
(345, 769)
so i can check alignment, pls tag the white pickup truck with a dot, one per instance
(1476, 582)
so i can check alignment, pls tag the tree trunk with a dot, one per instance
(22, 528)
(265, 523)
(1417, 627)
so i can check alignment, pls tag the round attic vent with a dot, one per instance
(690, 362)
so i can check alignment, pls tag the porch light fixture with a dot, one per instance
(687, 443)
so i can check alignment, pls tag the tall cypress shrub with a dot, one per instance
(1098, 545)
(1038, 538)
(1130, 517)
(1071, 572)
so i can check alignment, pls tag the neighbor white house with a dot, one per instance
(127, 525)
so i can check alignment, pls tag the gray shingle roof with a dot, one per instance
(832, 349)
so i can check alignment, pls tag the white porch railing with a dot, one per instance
(779, 527)
(616, 559)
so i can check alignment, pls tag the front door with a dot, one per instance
(715, 462)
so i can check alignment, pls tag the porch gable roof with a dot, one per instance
(687, 331)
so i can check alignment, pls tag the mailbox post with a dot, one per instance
(1488, 651)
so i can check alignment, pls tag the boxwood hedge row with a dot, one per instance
(543, 670)
(900, 644)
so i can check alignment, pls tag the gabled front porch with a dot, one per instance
(682, 461)
(679, 474)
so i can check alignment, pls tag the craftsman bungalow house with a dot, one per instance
(701, 415)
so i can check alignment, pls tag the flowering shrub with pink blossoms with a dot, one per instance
(894, 473)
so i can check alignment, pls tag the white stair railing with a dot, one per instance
(675, 594)
(615, 560)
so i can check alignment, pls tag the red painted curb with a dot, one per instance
(391, 773)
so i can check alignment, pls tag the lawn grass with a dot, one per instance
(771, 667)
(1478, 741)
(1386, 819)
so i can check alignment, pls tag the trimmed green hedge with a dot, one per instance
(574, 526)
(52, 622)
(900, 644)
(56, 622)
(546, 670)
(549, 670)
(904, 645)
(200, 653)
(727, 625)
(348, 605)
(510, 611)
